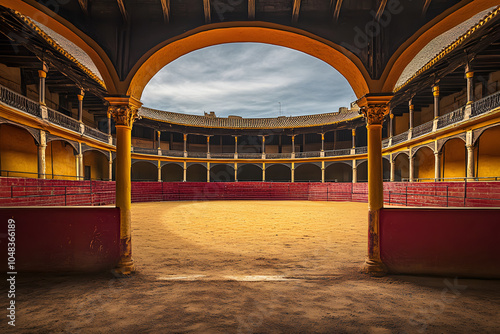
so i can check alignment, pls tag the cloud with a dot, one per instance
(249, 80)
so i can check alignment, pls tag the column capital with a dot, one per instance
(123, 110)
(435, 90)
(374, 107)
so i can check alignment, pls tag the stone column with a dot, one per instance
(185, 145)
(184, 173)
(42, 147)
(236, 147)
(110, 167)
(470, 161)
(208, 171)
(322, 142)
(208, 146)
(469, 75)
(411, 109)
(235, 172)
(293, 146)
(109, 124)
(393, 168)
(353, 132)
(293, 171)
(263, 172)
(263, 147)
(435, 93)
(158, 133)
(159, 171)
(322, 172)
(412, 167)
(80, 105)
(42, 74)
(124, 111)
(354, 172)
(79, 162)
(374, 108)
(437, 166)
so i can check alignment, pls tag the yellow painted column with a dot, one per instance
(208, 171)
(374, 108)
(124, 112)
(80, 105)
(293, 171)
(263, 172)
(42, 147)
(235, 172)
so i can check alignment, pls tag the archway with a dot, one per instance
(338, 172)
(423, 167)
(453, 159)
(18, 152)
(144, 171)
(196, 173)
(362, 172)
(221, 173)
(401, 167)
(307, 173)
(249, 172)
(386, 169)
(488, 153)
(172, 173)
(60, 160)
(95, 165)
(278, 173)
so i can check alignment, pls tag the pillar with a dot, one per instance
(185, 144)
(322, 142)
(391, 124)
(354, 172)
(184, 172)
(124, 111)
(80, 105)
(208, 146)
(437, 166)
(263, 172)
(322, 172)
(353, 132)
(374, 108)
(110, 167)
(208, 171)
(469, 75)
(293, 171)
(42, 74)
(293, 146)
(263, 147)
(235, 172)
(435, 93)
(109, 124)
(411, 109)
(236, 147)
(393, 168)
(412, 167)
(470, 161)
(42, 147)
(79, 162)
(159, 171)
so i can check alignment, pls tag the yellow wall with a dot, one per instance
(18, 152)
(488, 163)
(401, 124)
(424, 164)
(99, 166)
(144, 171)
(453, 163)
(60, 161)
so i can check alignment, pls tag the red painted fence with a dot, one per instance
(24, 191)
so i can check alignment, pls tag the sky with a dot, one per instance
(249, 80)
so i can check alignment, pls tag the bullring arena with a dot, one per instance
(120, 217)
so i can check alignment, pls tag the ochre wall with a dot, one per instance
(338, 172)
(60, 161)
(488, 163)
(99, 166)
(401, 123)
(144, 171)
(453, 159)
(401, 167)
(424, 164)
(18, 152)
(173, 173)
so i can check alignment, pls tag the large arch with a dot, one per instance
(18, 152)
(144, 171)
(423, 167)
(196, 173)
(308, 173)
(258, 32)
(488, 153)
(338, 172)
(278, 173)
(172, 173)
(454, 159)
(95, 165)
(221, 173)
(249, 172)
(401, 167)
(362, 172)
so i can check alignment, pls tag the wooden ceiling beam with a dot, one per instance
(84, 4)
(426, 6)
(336, 10)
(207, 10)
(381, 9)
(295, 11)
(251, 9)
(123, 10)
(165, 6)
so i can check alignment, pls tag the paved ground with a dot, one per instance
(252, 267)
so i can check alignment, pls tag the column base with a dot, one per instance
(375, 268)
(125, 268)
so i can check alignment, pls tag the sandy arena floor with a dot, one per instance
(252, 267)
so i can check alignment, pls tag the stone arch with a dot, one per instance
(18, 152)
(308, 172)
(423, 166)
(249, 172)
(278, 173)
(453, 158)
(338, 172)
(172, 173)
(221, 173)
(144, 170)
(95, 164)
(442, 142)
(362, 171)
(487, 155)
(401, 166)
(196, 172)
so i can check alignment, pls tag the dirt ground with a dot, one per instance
(252, 267)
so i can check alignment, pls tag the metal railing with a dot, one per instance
(335, 153)
(197, 154)
(312, 154)
(143, 150)
(400, 138)
(422, 129)
(385, 143)
(222, 155)
(486, 104)
(278, 155)
(248, 155)
(361, 150)
(96, 134)
(63, 120)
(450, 118)
(20, 102)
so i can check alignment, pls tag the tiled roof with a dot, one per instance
(248, 123)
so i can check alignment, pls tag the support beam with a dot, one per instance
(295, 11)
(208, 171)
(393, 168)
(426, 7)
(159, 171)
(435, 93)
(437, 166)
(353, 132)
(80, 105)
(469, 75)
(336, 10)
(123, 10)
(263, 147)
(470, 161)
(185, 144)
(42, 148)
(110, 167)
(42, 75)
(293, 172)
(165, 7)
(124, 111)
(263, 172)
(251, 9)
(374, 107)
(235, 172)
(412, 167)
(354, 172)
(84, 5)
(208, 146)
(381, 9)
(184, 173)
(207, 11)
(293, 146)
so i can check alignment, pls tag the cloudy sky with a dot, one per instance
(249, 80)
